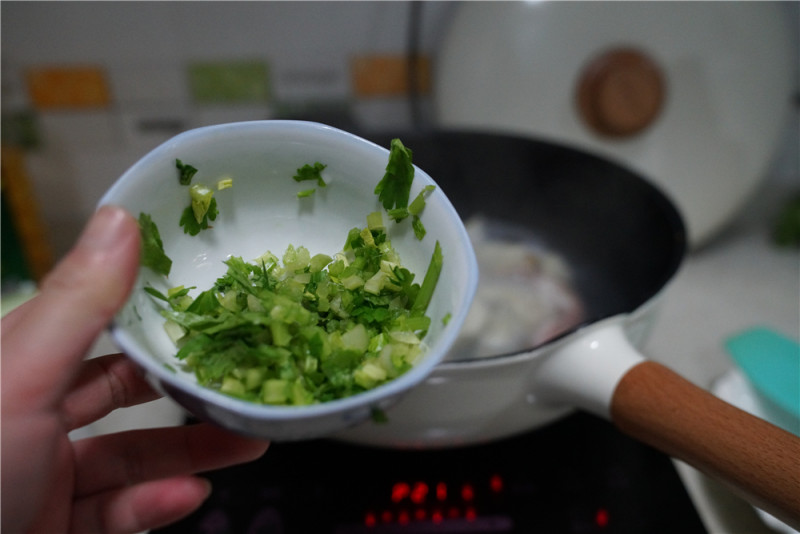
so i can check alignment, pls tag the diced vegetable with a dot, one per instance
(302, 329)
(430, 280)
(305, 193)
(189, 220)
(201, 201)
(305, 328)
(203, 206)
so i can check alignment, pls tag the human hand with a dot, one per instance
(126, 482)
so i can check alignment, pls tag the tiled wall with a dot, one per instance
(92, 86)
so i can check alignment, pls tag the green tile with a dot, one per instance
(229, 82)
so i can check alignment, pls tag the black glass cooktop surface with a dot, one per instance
(578, 475)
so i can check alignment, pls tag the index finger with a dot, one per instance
(76, 301)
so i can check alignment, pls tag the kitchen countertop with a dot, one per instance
(737, 280)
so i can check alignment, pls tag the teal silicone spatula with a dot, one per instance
(771, 362)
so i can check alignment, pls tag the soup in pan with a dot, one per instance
(524, 295)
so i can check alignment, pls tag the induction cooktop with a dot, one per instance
(578, 475)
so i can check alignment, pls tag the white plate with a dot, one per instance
(514, 67)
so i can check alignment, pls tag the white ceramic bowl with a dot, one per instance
(260, 213)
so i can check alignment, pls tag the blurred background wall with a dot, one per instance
(89, 87)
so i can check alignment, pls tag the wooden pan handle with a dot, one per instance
(756, 459)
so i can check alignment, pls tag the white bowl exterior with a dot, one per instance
(261, 157)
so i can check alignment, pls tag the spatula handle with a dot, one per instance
(756, 459)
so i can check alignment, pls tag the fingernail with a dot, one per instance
(105, 228)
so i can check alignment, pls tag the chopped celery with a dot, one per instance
(201, 201)
(416, 207)
(302, 328)
(430, 280)
(305, 193)
(375, 221)
(174, 330)
(203, 205)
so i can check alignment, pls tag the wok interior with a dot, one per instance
(622, 239)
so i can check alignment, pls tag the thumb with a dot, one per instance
(43, 343)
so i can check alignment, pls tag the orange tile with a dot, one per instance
(77, 87)
(387, 75)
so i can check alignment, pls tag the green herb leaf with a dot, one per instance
(205, 303)
(189, 222)
(156, 293)
(185, 172)
(394, 188)
(311, 172)
(152, 248)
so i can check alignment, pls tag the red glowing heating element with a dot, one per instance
(601, 517)
(467, 492)
(419, 492)
(441, 491)
(420, 502)
(403, 518)
(471, 514)
(400, 491)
